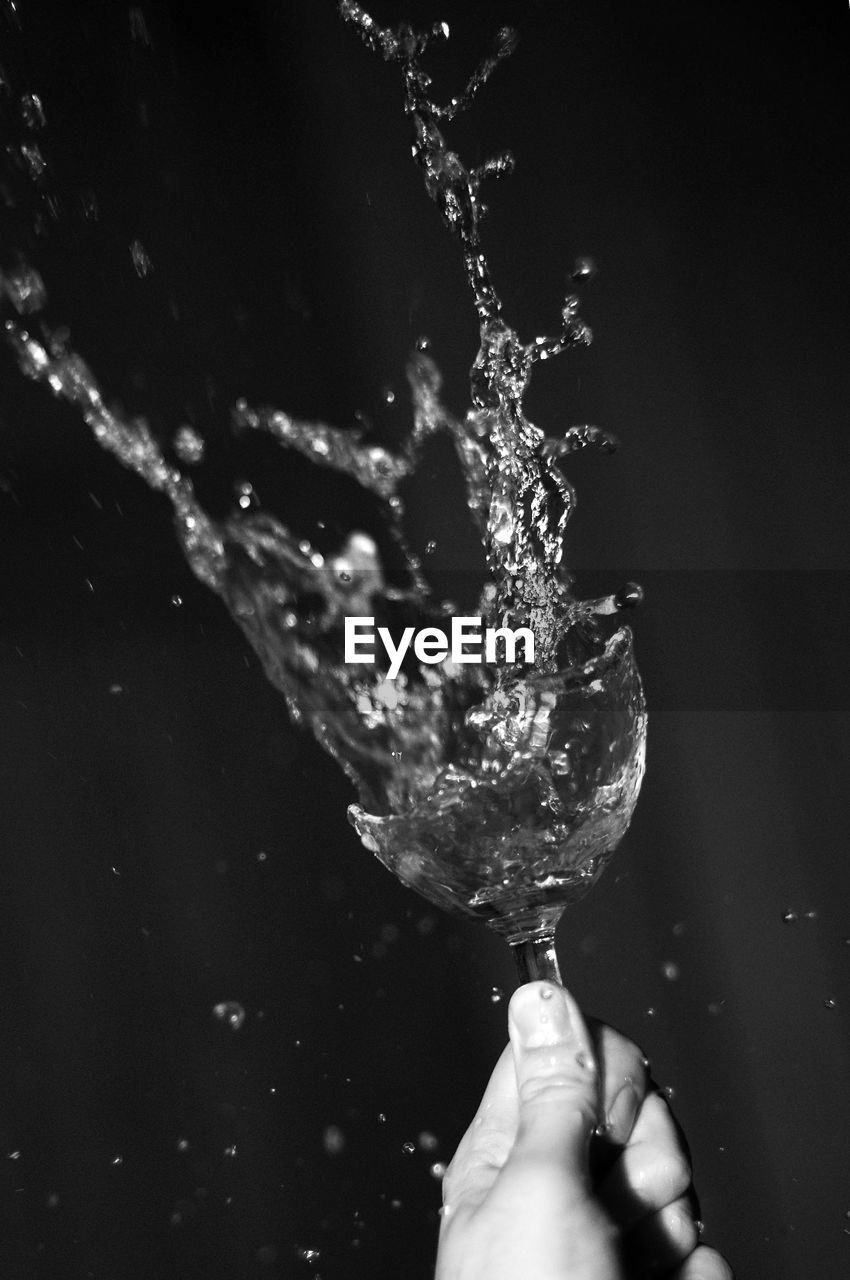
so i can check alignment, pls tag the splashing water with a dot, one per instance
(493, 790)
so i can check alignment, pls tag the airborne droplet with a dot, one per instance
(189, 446)
(333, 1140)
(629, 596)
(32, 112)
(140, 258)
(584, 268)
(230, 1012)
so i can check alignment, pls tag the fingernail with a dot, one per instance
(540, 1014)
(623, 1112)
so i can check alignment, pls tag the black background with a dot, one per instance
(261, 156)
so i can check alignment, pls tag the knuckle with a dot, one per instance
(680, 1228)
(492, 1149)
(708, 1264)
(674, 1174)
(547, 1089)
(619, 1049)
(664, 1178)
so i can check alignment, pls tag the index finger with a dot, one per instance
(484, 1148)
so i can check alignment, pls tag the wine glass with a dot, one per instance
(526, 829)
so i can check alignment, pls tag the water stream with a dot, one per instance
(491, 789)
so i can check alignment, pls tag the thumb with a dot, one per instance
(557, 1086)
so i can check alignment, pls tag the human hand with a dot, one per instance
(519, 1199)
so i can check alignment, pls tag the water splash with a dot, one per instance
(491, 792)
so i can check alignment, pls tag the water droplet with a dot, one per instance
(307, 1255)
(438, 1169)
(830, 1003)
(117, 1160)
(230, 1151)
(408, 1148)
(670, 970)
(651, 1012)
(189, 446)
(629, 596)
(262, 856)
(423, 344)
(546, 993)
(603, 1130)
(246, 497)
(333, 1140)
(88, 205)
(52, 1200)
(811, 915)
(790, 916)
(497, 995)
(388, 395)
(716, 1007)
(141, 261)
(430, 547)
(177, 601)
(507, 39)
(428, 1141)
(34, 160)
(583, 269)
(382, 1119)
(182, 1144)
(32, 111)
(668, 1092)
(138, 26)
(25, 289)
(230, 1012)
(14, 1155)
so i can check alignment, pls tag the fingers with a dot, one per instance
(484, 1147)
(661, 1242)
(557, 1087)
(652, 1171)
(624, 1081)
(649, 1195)
(704, 1264)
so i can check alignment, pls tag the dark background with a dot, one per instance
(261, 156)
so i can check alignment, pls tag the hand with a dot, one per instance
(519, 1200)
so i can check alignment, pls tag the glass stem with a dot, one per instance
(537, 958)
